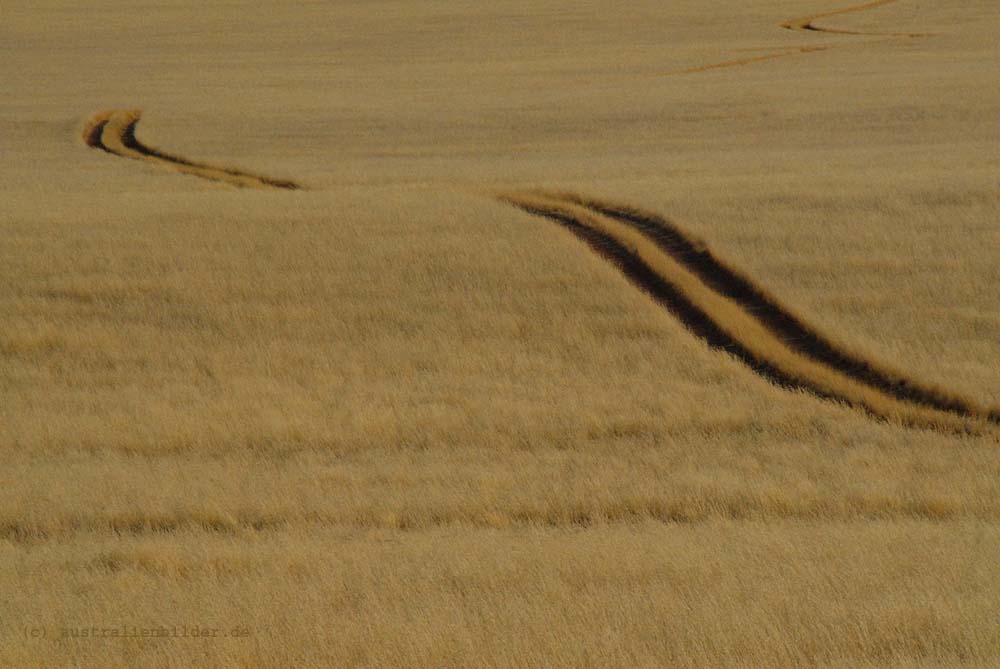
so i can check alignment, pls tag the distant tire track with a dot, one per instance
(750, 60)
(114, 132)
(729, 311)
(807, 23)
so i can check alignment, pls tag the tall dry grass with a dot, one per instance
(389, 421)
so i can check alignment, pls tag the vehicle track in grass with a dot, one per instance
(730, 311)
(750, 60)
(716, 301)
(113, 131)
(808, 24)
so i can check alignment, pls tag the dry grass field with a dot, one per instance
(516, 333)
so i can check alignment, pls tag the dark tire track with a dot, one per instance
(114, 132)
(781, 320)
(730, 312)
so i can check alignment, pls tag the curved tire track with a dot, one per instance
(731, 312)
(114, 132)
(808, 24)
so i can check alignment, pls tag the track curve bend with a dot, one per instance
(113, 131)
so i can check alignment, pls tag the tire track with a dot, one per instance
(808, 24)
(739, 62)
(114, 132)
(731, 312)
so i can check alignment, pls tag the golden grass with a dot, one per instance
(390, 421)
(646, 595)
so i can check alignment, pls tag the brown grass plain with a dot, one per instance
(388, 419)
